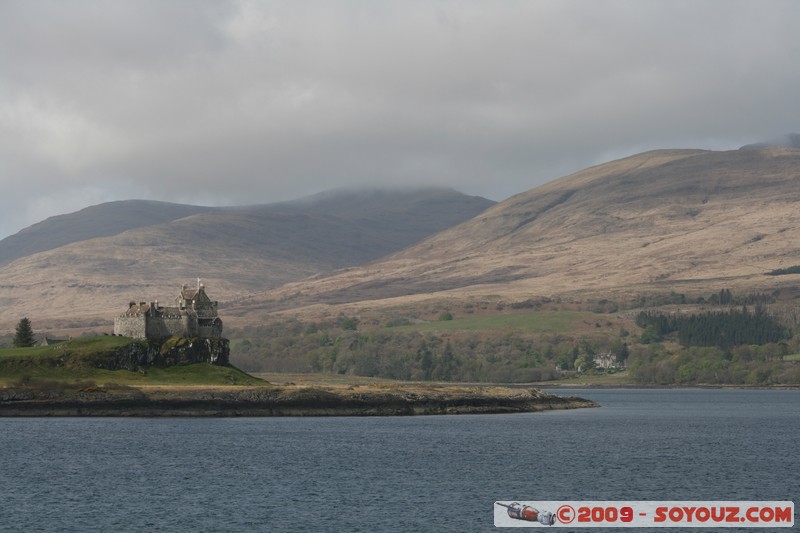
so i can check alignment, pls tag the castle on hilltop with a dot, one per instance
(192, 315)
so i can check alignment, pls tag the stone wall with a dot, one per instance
(143, 326)
(162, 328)
(130, 326)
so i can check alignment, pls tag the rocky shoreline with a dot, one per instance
(278, 401)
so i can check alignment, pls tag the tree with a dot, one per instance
(425, 357)
(23, 338)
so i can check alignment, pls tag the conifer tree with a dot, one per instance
(23, 338)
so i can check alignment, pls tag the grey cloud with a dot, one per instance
(243, 102)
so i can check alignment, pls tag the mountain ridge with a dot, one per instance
(664, 220)
(237, 250)
(116, 216)
(660, 220)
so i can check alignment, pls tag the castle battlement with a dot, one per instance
(193, 314)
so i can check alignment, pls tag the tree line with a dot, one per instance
(383, 352)
(724, 329)
(504, 356)
(743, 365)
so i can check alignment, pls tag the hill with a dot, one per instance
(688, 220)
(101, 220)
(791, 140)
(235, 250)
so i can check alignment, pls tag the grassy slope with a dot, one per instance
(41, 363)
(532, 322)
(81, 346)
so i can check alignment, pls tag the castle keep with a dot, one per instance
(193, 315)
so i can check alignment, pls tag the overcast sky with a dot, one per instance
(241, 102)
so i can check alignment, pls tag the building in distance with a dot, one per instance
(193, 314)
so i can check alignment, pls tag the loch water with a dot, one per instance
(425, 473)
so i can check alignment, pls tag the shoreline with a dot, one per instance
(279, 401)
(655, 387)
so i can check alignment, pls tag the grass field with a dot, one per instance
(604, 380)
(44, 364)
(277, 378)
(79, 346)
(534, 322)
(197, 374)
(793, 357)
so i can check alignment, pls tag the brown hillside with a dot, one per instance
(110, 218)
(237, 251)
(675, 219)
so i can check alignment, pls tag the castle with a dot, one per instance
(193, 315)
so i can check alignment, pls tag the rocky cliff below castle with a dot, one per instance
(175, 351)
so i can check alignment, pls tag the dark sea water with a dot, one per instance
(437, 473)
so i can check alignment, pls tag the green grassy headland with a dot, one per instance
(67, 362)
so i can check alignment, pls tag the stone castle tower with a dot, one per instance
(192, 315)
